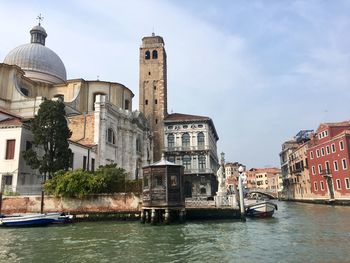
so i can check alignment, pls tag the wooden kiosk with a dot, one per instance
(163, 197)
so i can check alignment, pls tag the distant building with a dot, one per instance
(191, 140)
(231, 172)
(299, 186)
(289, 162)
(329, 160)
(267, 178)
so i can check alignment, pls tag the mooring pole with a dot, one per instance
(0, 201)
(241, 197)
(42, 202)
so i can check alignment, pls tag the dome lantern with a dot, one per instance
(38, 35)
(38, 32)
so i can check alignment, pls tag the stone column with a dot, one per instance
(167, 216)
(153, 217)
(143, 216)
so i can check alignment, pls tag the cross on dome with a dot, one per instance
(40, 18)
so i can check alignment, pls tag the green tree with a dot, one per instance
(51, 133)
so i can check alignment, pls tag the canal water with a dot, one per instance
(297, 233)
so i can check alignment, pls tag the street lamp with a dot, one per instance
(240, 188)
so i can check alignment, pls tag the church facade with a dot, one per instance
(104, 127)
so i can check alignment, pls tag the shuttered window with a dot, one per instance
(10, 149)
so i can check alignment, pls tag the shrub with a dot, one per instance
(79, 183)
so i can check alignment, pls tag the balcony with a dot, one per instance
(199, 171)
(186, 148)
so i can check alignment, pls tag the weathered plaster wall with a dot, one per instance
(93, 204)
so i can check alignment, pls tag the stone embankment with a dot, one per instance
(96, 206)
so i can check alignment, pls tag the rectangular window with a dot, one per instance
(313, 170)
(145, 181)
(317, 153)
(333, 148)
(341, 145)
(92, 164)
(344, 164)
(84, 162)
(71, 163)
(10, 149)
(315, 186)
(347, 183)
(311, 155)
(338, 184)
(335, 164)
(159, 180)
(321, 185)
(320, 169)
(322, 151)
(29, 145)
(8, 179)
(328, 150)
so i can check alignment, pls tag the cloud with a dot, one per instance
(262, 70)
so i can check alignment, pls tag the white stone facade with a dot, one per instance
(191, 141)
(130, 146)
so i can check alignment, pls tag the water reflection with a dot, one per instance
(297, 233)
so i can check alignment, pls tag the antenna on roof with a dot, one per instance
(153, 32)
(40, 18)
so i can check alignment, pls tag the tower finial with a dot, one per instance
(40, 18)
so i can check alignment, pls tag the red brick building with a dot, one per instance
(329, 160)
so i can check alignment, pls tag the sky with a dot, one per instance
(261, 70)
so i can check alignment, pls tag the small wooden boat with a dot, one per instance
(260, 209)
(61, 218)
(35, 219)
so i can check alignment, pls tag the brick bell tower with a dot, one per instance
(153, 89)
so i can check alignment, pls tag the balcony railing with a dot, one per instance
(186, 148)
(199, 171)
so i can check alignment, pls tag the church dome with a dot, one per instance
(38, 62)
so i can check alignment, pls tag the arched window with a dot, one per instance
(110, 136)
(185, 140)
(200, 139)
(147, 55)
(201, 163)
(171, 140)
(154, 54)
(127, 104)
(171, 158)
(24, 91)
(186, 161)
